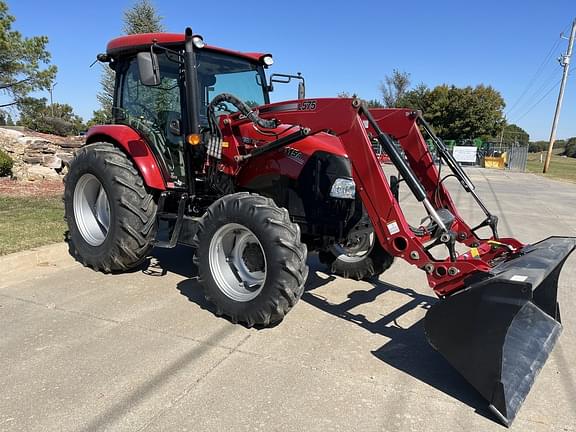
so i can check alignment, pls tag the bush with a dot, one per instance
(570, 149)
(6, 164)
(537, 146)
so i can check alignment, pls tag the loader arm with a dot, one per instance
(351, 123)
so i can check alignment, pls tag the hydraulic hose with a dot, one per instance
(244, 109)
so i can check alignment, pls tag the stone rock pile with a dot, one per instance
(38, 156)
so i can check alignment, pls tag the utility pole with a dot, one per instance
(565, 62)
(51, 89)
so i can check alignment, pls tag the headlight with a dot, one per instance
(267, 60)
(198, 41)
(343, 188)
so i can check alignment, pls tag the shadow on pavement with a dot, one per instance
(179, 261)
(408, 349)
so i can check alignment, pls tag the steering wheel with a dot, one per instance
(151, 117)
(222, 107)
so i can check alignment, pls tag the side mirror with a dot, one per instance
(301, 89)
(285, 79)
(148, 68)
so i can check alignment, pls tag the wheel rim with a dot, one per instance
(91, 210)
(237, 262)
(356, 252)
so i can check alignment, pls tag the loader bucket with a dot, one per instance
(498, 332)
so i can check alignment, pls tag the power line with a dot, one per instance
(537, 102)
(542, 88)
(541, 68)
(565, 62)
(535, 76)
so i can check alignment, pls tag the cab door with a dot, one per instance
(155, 112)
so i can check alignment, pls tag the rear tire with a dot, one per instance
(111, 215)
(364, 260)
(250, 260)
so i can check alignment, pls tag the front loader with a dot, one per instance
(198, 155)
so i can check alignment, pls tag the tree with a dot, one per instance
(570, 150)
(394, 87)
(98, 117)
(372, 103)
(21, 61)
(537, 146)
(417, 98)
(140, 18)
(515, 134)
(58, 119)
(464, 113)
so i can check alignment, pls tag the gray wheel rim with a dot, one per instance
(355, 253)
(228, 265)
(91, 210)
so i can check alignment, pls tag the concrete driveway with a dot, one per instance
(142, 351)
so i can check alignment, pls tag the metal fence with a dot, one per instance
(514, 156)
(518, 157)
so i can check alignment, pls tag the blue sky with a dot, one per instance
(342, 46)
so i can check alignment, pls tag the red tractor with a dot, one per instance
(198, 155)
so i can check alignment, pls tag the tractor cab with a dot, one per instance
(150, 92)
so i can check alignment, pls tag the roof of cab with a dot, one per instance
(136, 42)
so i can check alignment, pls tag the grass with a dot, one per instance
(27, 222)
(563, 168)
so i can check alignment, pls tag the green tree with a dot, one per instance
(515, 134)
(570, 149)
(142, 17)
(21, 61)
(394, 87)
(98, 117)
(418, 98)
(58, 119)
(372, 103)
(465, 113)
(537, 146)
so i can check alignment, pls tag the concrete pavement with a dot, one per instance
(142, 351)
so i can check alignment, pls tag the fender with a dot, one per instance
(135, 146)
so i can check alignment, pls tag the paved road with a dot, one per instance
(142, 351)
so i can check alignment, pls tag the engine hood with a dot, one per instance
(287, 161)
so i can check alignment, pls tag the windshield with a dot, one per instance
(220, 73)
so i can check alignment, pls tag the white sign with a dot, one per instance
(465, 153)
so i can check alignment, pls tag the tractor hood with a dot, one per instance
(287, 161)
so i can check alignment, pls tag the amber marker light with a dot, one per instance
(194, 139)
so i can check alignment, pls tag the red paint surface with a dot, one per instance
(129, 43)
(135, 146)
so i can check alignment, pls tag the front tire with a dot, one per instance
(250, 260)
(110, 213)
